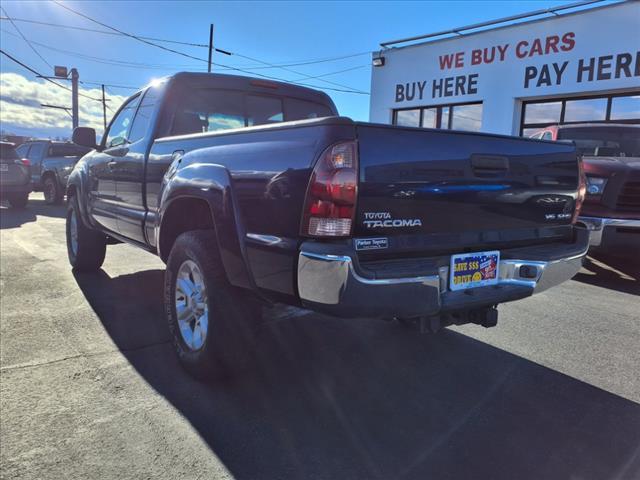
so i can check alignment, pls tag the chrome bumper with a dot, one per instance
(332, 281)
(596, 226)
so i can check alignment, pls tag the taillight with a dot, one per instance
(24, 161)
(330, 205)
(582, 191)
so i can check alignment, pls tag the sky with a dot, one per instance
(276, 33)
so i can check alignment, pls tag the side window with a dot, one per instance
(547, 136)
(35, 153)
(119, 127)
(143, 117)
(22, 150)
(264, 110)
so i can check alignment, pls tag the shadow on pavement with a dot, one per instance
(14, 217)
(616, 273)
(362, 399)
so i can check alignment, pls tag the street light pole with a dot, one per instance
(210, 46)
(104, 110)
(74, 97)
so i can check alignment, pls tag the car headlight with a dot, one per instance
(595, 185)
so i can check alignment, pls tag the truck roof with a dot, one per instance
(239, 82)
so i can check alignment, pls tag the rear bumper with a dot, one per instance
(612, 233)
(333, 283)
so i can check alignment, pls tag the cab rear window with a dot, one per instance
(207, 110)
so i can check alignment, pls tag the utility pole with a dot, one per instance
(61, 73)
(210, 45)
(74, 97)
(104, 109)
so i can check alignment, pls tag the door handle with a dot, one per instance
(111, 164)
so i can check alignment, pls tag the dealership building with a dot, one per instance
(515, 75)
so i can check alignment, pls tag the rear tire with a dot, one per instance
(214, 330)
(86, 247)
(18, 200)
(52, 191)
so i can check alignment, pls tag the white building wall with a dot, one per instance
(607, 35)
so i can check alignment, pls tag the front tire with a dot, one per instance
(18, 200)
(52, 191)
(86, 247)
(212, 323)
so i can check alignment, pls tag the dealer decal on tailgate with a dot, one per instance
(470, 270)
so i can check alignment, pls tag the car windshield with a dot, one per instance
(605, 141)
(8, 152)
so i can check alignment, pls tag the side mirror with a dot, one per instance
(84, 136)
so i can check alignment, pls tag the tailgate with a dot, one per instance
(13, 172)
(456, 191)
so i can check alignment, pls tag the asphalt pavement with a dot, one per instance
(90, 387)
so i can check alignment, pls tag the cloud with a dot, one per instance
(21, 113)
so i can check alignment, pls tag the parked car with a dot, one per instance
(15, 176)
(51, 163)
(256, 192)
(611, 157)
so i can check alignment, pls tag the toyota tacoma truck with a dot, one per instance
(256, 192)
(611, 158)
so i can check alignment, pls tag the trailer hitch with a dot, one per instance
(487, 317)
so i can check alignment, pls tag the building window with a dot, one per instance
(548, 112)
(621, 108)
(466, 116)
(588, 110)
(408, 118)
(625, 108)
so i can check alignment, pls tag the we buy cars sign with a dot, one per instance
(589, 51)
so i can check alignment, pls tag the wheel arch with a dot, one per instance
(200, 197)
(175, 222)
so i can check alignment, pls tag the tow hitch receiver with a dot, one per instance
(487, 317)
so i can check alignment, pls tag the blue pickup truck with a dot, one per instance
(51, 163)
(256, 192)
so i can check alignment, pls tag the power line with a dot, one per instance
(107, 61)
(135, 37)
(25, 38)
(304, 76)
(75, 27)
(45, 77)
(130, 35)
(336, 72)
(177, 42)
(124, 63)
(127, 87)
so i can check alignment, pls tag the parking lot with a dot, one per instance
(90, 386)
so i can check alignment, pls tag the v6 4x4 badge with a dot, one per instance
(384, 220)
